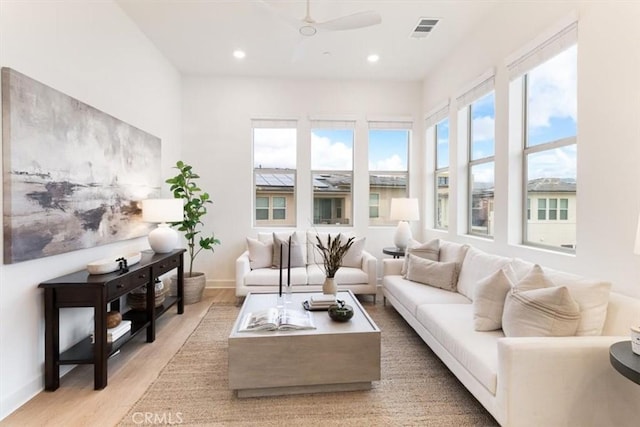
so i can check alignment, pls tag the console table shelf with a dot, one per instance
(80, 289)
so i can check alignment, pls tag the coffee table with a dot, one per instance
(333, 357)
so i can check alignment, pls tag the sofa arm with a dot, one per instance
(391, 267)
(243, 267)
(565, 381)
(369, 266)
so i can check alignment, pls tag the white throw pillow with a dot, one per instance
(353, 257)
(429, 250)
(544, 312)
(297, 257)
(260, 253)
(534, 279)
(433, 273)
(488, 301)
(476, 266)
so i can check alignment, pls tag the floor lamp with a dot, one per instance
(403, 210)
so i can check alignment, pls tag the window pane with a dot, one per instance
(442, 144)
(279, 202)
(388, 150)
(552, 173)
(482, 190)
(332, 198)
(483, 127)
(332, 149)
(274, 148)
(262, 202)
(552, 99)
(385, 187)
(442, 200)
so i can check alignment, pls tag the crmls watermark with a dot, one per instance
(156, 418)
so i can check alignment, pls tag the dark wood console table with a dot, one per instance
(81, 289)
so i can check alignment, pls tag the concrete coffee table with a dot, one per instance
(333, 357)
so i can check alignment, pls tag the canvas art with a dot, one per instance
(73, 175)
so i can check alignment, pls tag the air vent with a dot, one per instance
(424, 27)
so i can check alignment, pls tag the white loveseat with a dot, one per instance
(359, 275)
(522, 381)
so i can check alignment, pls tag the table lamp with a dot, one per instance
(403, 210)
(162, 239)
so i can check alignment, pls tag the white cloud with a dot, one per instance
(483, 128)
(556, 163)
(393, 163)
(553, 88)
(328, 155)
(275, 148)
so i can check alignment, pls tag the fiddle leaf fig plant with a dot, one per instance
(184, 187)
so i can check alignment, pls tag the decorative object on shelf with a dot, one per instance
(403, 210)
(137, 299)
(332, 255)
(109, 265)
(340, 312)
(71, 172)
(113, 319)
(184, 187)
(162, 239)
(635, 339)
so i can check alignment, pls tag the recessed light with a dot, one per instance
(239, 54)
(373, 58)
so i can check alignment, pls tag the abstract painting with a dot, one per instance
(73, 175)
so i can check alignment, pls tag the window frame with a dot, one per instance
(438, 172)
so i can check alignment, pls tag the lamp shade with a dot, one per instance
(162, 210)
(404, 209)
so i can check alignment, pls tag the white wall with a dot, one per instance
(92, 52)
(608, 129)
(218, 143)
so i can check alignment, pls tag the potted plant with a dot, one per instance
(184, 187)
(332, 255)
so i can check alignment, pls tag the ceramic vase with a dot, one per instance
(329, 287)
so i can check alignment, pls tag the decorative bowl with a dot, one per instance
(108, 265)
(113, 319)
(340, 312)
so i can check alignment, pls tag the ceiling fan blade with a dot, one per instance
(351, 22)
(275, 11)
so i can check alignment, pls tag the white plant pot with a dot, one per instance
(329, 287)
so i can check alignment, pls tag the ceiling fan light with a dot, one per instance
(308, 30)
(373, 58)
(239, 54)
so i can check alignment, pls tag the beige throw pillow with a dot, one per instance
(488, 301)
(260, 253)
(429, 250)
(535, 279)
(297, 257)
(353, 257)
(544, 312)
(437, 274)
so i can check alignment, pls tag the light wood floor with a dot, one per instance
(131, 372)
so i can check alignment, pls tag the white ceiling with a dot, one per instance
(199, 36)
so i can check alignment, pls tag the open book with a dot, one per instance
(273, 319)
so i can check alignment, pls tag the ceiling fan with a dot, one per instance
(308, 26)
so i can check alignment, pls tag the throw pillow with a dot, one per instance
(429, 250)
(544, 312)
(260, 253)
(534, 279)
(488, 301)
(433, 273)
(297, 257)
(353, 257)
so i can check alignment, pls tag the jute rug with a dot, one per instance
(416, 388)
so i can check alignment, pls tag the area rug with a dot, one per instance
(416, 388)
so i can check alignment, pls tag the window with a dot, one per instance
(388, 167)
(480, 124)
(332, 171)
(545, 79)
(442, 175)
(274, 172)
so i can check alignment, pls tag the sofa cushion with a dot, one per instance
(301, 235)
(453, 252)
(488, 301)
(412, 294)
(291, 254)
(314, 256)
(353, 257)
(452, 326)
(476, 266)
(344, 275)
(429, 250)
(544, 312)
(433, 273)
(260, 253)
(270, 276)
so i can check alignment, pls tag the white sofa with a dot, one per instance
(521, 381)
(360, 280)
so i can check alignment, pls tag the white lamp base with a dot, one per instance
(402, 236)
(163, 239)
